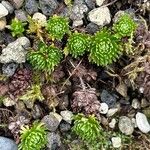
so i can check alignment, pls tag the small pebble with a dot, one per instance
(8, 6)
(3, 11)
(112, 112)
(17, 3)
(91, 28)
(21, 15)
(142, 123)
(136, 104)
(116, 142)
(99, 2)
(112, 123)
(64, 126)
(31, 6)
(125, 125)
(77, 23)
(100, 16)
(9, 69)
(144, 103)
(67, 115)
(103, 108)
(40, 18)
(2, 23)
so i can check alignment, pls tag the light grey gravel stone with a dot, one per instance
(78, 11)
(48, 6)
(8, 6)
(125, 125)
(103, 108)
(91, 28)
(100, 16)
(112, 123)
(142, 122)
(9, 69)
(31, 6)
(52, 121)
(67, 115)
(7, 144)
(15, 51)
(136, 104)
(77, 23)
(112, 112)
(21, 15)
(53, 141)
(116, 142)
(3, 11)
(99, 2)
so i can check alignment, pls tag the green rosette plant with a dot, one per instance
(105, 48)
(17, 27)
(87, 128)
(45, 58)
(77, 44)
(125, 26)
(33, 138)
(57, 27)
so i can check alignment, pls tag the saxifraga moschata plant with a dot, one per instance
(57, 27)
(45, 58)
(78, 44)
(105, 48)
(33, 138)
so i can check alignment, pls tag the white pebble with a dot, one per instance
(112, 123)
(112, 111)
(103, 108)
(116, 142)
(99, 2)
(142, 122)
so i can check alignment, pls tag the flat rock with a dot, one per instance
(67, 115)
(7, 144)
(100, 16)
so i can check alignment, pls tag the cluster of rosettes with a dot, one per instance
(57, 27)
(77, 44)
(87, 128)
(124, 26)
(34, 138)
(45, 58)
(105, 48)
(17, 27)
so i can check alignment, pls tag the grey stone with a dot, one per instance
(78, 11)
(8, 6)
(64, 126)
(9, 69)
(17, 3)
(21, 15)
(77, 23)
(90, 4)
(108, 98)
(48, 6)
(125, 125)
(116, 142)
(15, 51)
(31, 6)
(91, 28)
(36, 112)
(6, 38)
(54, 141)
(3, 11)
(136, 104)
(7, 144)
(100, 16)
(52, 121)
(67, 115)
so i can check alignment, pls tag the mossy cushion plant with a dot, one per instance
(17, 27)
(87, 128)
(57, 27)
(34, 138)
(105, 48)
(77, 44)
(45, 58)
(124, 26)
